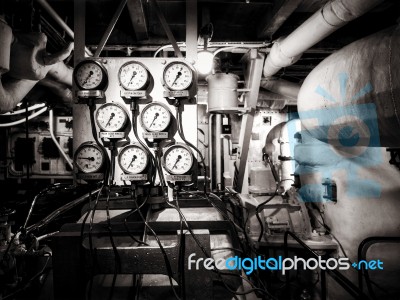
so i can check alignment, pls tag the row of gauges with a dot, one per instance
(155, 117)
(133, 159)
(132, 76)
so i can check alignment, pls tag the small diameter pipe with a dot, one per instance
(51, 129)
(23, 120)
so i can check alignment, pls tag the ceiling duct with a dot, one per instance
(321, 24)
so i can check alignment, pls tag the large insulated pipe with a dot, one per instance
(352, 98)
(281, 87)
(27, 63)
(46, 6)
(325, 21)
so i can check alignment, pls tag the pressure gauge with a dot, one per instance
(133, 159)
(89, 158)
(90, 75)
(155, 117)
(111, 117)
(178, 76)
(133, 76)
(178, 159)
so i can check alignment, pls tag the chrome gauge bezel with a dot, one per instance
(102, 85)
(93, 146)
(127, 148)
(167, 82)
(169, 150)
(124, 121)
(146, 81)
(145, 111)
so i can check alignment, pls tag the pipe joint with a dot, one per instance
(277, 59)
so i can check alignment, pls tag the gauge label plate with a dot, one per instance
(176, 94)
(178, 177)
(90, 94)
(112, 135)
(134, 177)
(92, 176)
(155, 135)
(133, 94)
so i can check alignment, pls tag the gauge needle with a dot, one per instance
(178, 159)
(109, 120)
(87, 78)
(133, 76)
(133, 159)
(155, 117)
(177, 76)
(88, 158)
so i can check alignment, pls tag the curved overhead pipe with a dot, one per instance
(325, 21)
(27, 62)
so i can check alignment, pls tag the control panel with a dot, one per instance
(133, 119)
(35, 154)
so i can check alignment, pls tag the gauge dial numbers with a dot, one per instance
(178, 76)
(89, 158)
(90, 75)
(111, 117)
(155, 117)
(133, 76)
(133, 159)
(178, 159)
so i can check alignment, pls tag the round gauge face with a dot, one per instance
(178, 76)
(133, 159)
(111, 117)
(89, 158)
(133, 76)
(90, 75)
(178, 160)
(155, 117)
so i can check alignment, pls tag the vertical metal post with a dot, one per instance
(79, 28)
(218, 152)
(191, 30)
(255, 62)
(210, 150)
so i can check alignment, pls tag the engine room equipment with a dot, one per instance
(133, 159)
(133, 76)
(89, 158)
(39, 151)
(90, 75)
(178, 159)
(111, 117)
(222, 92)
(178, 76)
(155, 117)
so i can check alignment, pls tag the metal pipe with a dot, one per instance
(110, 28)
(22, 111)
(281, 87)
(218, 150)
(325, 21)
(59, 21)
(61, 210)
(51, 129)
(210, 149)
(23, 120)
